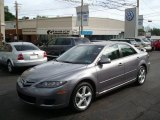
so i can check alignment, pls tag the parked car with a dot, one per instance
(130, 41)
(21, 54)
(55, 48)
(144, 42)
(82, 73)
(156, 45)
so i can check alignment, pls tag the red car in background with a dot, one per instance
(156, 45)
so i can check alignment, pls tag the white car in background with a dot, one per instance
(21, 54)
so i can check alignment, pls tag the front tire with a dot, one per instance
(141, 77)
(82, 97)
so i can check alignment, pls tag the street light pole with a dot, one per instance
(81, 16)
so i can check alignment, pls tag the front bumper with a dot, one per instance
(148, 48)
(43, 97)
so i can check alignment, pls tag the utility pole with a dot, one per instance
(16, 7)
(0, 29)
(138, 6)
(81, 16)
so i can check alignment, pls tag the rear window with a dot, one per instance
(25, 47)
(63, 41)
(82, 41)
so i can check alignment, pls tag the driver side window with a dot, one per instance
(112, 52)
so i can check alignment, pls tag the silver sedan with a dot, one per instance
(82, 73)
(21, 54)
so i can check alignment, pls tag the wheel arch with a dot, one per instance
(90, 81)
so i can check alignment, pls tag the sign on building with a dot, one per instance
(84, 12)
(140, 22)
(131, 23)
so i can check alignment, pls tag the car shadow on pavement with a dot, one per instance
(47, 113)
(17, 71)
(116, 91)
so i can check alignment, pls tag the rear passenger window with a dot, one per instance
(112, 52)
(81, 41)
(127, 50)
(63, 41)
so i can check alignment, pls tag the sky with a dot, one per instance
(52, 8)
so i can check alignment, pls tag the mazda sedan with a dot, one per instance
(83, 73)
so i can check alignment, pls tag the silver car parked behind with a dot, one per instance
(21, 54)
(82, 73)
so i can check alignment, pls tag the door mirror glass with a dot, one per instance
(104, 60)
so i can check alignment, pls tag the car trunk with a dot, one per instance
(31, 55)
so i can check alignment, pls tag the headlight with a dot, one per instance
(50, 84)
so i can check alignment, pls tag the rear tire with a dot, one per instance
(141, 77)
(82, 97)
(10, 67)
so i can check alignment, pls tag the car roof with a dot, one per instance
(19, 43)
(106, 43)
(122, 39)
(72, 37)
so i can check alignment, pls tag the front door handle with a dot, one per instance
(120, 64)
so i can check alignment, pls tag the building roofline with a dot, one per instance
(49, 18)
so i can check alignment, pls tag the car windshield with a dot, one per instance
(83, 54)
(25, 47)
(133, 42)
(146, 40)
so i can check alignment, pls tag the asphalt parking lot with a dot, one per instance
(128, 103)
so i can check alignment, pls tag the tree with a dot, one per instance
(8, 16)
(141, 32)
(155, 31)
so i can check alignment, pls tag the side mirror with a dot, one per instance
(104, 60)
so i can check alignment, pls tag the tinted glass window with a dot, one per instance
(127, 50)
(51, 42)
(81, 41)
(63, 41)
(133, 42)
(81, 54)
(146, 40)
(112, 52)
(137, 40)
(25, 47)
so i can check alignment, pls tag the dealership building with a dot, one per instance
(34, 30)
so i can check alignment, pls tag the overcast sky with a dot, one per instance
(51, 8)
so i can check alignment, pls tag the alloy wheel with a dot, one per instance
(142, 75)
(10, 67)
(83, 97)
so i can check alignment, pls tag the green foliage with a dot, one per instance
(141, 32)
(155, 31)
(9, 16)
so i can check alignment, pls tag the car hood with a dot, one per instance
(50, 71)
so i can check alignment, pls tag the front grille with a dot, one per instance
(26, 83)
(49, 101)
(27, 98)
